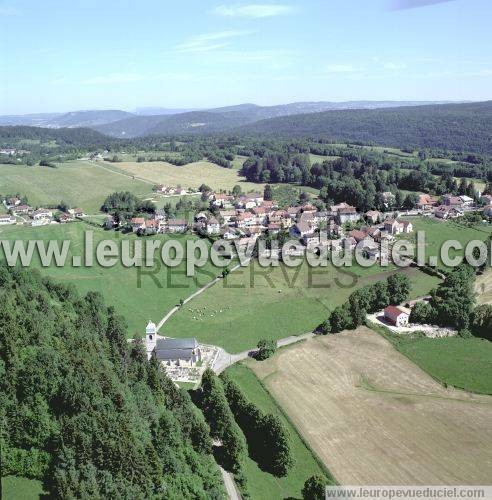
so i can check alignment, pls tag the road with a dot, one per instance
(230, 485)
(225, 359)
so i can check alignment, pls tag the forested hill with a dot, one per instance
(82, 409)
(77, 137)
(458, 127)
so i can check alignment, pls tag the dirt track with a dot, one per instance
(374, 417)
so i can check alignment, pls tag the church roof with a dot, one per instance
(169, 344)
(167, 349)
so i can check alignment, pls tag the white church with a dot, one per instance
(172, 352)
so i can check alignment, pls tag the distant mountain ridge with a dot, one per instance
(463, 127)
(226, 118)
(72, 119)
(165, 121)
(460, 127)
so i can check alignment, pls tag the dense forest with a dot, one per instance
(459, 127)
(83, 410)
(77, 137)
(361, 177)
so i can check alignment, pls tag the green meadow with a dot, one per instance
(464, 363)
(275, 302)
(138, 296)
(262, 485)
(21, 488)
(458, 362)
(80, 183)
(437, 232)
(190, 175)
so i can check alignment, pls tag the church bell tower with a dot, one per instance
(150, 338)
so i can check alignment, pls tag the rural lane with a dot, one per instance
(225, 359)
(230, 485)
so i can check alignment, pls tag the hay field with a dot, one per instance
(190, 175)
(483, 287)
(374, 417)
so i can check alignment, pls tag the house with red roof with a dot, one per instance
(397, 316)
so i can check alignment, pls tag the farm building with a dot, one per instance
(396, 316)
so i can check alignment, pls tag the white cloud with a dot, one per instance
(8, 11)
(254, 11)
(114, 78)
(341, 68)
(210, 41)
(394, 66)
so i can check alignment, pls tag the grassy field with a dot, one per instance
(191, 175)
(320, 158)
(20, 488)
(374, 417)
(436, 233)
(250, 305)
(262, 485)
(462, 363)
(238, 161)
(234, 313)
(138, 302)
(79, 183)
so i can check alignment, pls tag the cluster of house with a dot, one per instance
(171, 190)
(451, 206)
(158, 223)
(246, 217)
(36, 217)
(12, 151)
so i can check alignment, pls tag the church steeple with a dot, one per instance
(150, 338)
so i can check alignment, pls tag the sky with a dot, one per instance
(59, 55)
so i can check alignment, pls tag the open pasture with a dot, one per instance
(80, 183)
(458, 362)
(21, 488)
(190, 175)
(373, 417)
(274, 302)
(138, 297)
(437, 232)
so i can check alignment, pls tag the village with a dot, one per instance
(22, 213)
(246, 217)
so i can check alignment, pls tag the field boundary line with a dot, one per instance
(320, 463)
(124, 174)
(384, 332)
(367, 387)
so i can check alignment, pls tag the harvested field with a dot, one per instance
(374, 417)
(483, 287)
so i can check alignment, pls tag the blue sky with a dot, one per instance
(95, 54)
